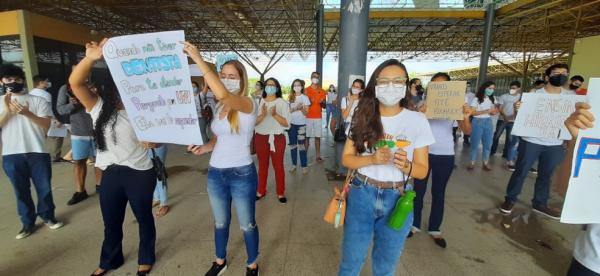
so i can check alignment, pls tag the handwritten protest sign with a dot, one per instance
(445, 100)
(581, 202)
(152, 75)
(543, 115)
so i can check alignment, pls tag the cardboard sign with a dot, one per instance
(543, 115)
(581, 202)
(153, 77)
(445, 100)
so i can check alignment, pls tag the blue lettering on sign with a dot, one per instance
(150, 65)
(584, 143)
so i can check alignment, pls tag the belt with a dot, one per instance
(380, 184)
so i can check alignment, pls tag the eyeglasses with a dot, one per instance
(399, 80)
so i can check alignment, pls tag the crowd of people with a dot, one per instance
(389, 148)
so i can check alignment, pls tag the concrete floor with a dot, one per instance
(294, 238)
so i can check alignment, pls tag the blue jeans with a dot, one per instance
(22, 170)
(367, 213)
(500, 127)
(482, 132)
(237, 185)
(297, 136)
(330, 109)
(548, 157)
(160, 192)
(512, 148)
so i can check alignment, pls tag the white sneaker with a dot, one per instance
(24, 233)
(293, 170)
(304, 170)
(53, 225)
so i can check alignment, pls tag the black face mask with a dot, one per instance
(573, 87)
(14, 87)
(2, 92)
(558, 80)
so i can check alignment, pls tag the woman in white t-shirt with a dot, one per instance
(299, 104)
(483, 128)
(441, 165)
(231, 174)
(128, 173)
(347, 105)
(269, 138)
(387, 145)
(331, 103)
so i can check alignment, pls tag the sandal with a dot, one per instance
(155, 203)
(144, 272)
(162, 211)
(99, 274)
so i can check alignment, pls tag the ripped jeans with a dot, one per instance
(297, 136)
(237, 185)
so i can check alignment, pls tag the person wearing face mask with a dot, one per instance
(537, 85)
(387, 145)
(506, 122)
(299, 104)
(258, 92)
(42, 83)
(317, 96)
(269, 138)
(548, 152)
(576, 83)
(348, 105)
(331, 103)
(24, 120)
(482, 126)
(232, 177)
(415, 98)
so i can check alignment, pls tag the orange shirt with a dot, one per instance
(315, 96)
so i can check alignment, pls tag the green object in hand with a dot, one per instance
(384, 143)
(404, 206)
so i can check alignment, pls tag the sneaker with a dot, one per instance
(486, 167)
(304, 171)
(283, 200)
(532, 170)
(217, 269)
(25, 232)
(506, 207)
(53, 224)
(77, 197)
(293, 170)
(252, 271)
(511, 168)
(548, 212)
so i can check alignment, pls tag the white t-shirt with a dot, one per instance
(41, 93)
(297, 117)
(127, 151)
(444, 141)
(507, 102)
(344, 105)
(269, 125)
(20, 134)
(406, 125)
(232, 148)
(548, 141)
(587, 248)
(470, 96)
(487, 104)
(330, 97)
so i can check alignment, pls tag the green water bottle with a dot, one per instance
(404, 207)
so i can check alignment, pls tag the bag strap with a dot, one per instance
(349, 176)
(153, 153)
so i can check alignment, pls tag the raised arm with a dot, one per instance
(235, 102)
(77, 80)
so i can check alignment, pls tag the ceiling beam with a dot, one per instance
(334, 14)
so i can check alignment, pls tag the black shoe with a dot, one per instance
(25, 232)
(217, 269)
(283, 200)
(144, 272)
(440, 242)
(77, 197)
(532, 170)
(252, 271)
(511, 168)
(506, 207)
(410, 234)
(259, 197)
(548, 212)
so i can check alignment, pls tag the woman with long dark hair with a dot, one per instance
(128, 175)
(269, 138)
(387, 145)
(483, 128)
(299, 104)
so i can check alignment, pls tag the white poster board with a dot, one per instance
(582, 202)
(153, 77)
(543, 115)
(57, 129)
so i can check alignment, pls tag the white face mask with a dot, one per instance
(355, 91)
(512, 91)
(315, 81)
(48, 85)
(297, 89)
(390, 94)
(233, 86)
(195, 90)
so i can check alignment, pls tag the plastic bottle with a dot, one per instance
(404, 206)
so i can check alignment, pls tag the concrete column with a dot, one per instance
(320, 24)
(26, 37)
(487, 43)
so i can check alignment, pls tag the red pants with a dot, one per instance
(261, 144)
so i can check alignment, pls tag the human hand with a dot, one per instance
(74, 101)
(401, 159)
(423, 108)
(582, 118)
(382, 156)
(467, 111)
(191, 51)
(264, 110)
(517, 105)
(93, 50)
(17, 108)
(273, 111)
(198, 150)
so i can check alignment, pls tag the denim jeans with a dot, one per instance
(330, 109)
(367, 213)
(512, 148)
(160, 192)
(482, 132)
(500, 127)
(548, 157)
(440, 170)
(22, 170)
(237, 185)
(297, 136)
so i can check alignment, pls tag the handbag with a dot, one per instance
(340, 133)
(336, 210)
(159, 168)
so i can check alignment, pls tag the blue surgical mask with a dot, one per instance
(270, 90)
(489, 91)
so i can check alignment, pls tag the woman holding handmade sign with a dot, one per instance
(128, 171)
(387, 145)
(231, 175)
(441, 165)
(483, 128)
